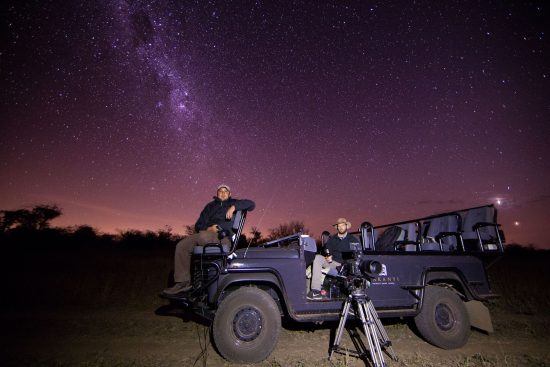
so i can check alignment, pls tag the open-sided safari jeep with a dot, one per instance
(432, 270)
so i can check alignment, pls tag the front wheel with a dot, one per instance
(443, 320)
(247, 325)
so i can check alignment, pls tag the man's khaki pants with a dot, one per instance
(184, 248)
(319, 264)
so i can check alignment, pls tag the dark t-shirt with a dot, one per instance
(337, 245)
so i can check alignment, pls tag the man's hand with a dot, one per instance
(230, 212)
(213, 228)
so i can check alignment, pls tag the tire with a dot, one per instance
(443, 320)
(246, 326)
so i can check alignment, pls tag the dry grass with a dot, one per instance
(106, 278)
(111, 294)
(522, 281)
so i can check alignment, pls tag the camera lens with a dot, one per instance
(370, 268)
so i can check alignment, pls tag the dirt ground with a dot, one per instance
(100, 308)
(164, 336)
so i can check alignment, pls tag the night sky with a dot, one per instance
(128, 114)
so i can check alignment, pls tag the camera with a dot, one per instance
(356, 274)
(357, 271)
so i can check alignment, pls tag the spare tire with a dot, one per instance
(443, 320)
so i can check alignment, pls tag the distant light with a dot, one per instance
(499, 202)
(516, 223)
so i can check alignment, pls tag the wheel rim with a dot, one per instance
(247, 324)
(444, 317)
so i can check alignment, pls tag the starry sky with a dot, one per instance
(128, 114)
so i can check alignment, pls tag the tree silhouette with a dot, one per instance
(189, 230)
(84, 231)
(12, 218)
(36, 219)
(43, 214)
(256, 236)
(286, 229)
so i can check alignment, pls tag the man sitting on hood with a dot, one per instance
(215, 217)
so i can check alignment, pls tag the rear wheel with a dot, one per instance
(443, 320)
(247, 325)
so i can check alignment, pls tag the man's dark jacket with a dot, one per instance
(337, 245)
(214, 213)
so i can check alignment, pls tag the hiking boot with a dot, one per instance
(179, 287)
(316, 295)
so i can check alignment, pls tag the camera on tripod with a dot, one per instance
(356, 274)
(358, 270)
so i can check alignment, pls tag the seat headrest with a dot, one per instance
(237, 219)
(309, 244)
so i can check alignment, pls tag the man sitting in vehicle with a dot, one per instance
(214, 218)
(342, 241)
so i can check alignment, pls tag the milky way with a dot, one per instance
(128, 114)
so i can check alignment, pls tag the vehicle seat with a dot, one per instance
(429, 242)
(472, 219)
(437, 233)
(408, 240)
(368, 237)
(387, 240)
(310, 249)
(210, 249)
(239, 217)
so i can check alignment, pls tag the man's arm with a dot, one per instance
(244, 204)
(239, 205)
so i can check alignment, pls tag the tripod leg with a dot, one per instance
(372, 326)
(368, 328)
(382, 334)
(381, 331)
(341, 327)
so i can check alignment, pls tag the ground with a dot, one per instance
(169, 337)
(101, 308)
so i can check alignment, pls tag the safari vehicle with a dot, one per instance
(433, 270)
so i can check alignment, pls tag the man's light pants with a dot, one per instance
(320, 264)
(184, 248)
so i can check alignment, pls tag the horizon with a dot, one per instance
(61, 222)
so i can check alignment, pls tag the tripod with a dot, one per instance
(372, 327)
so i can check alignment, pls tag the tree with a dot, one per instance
(286, 229)
(37, 218)
(256, 236)
(43, 214)
(189, 230)
(11, 218)
(84, 231)
(165, 233)
(83, 234)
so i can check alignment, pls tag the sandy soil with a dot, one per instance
(168, 337)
